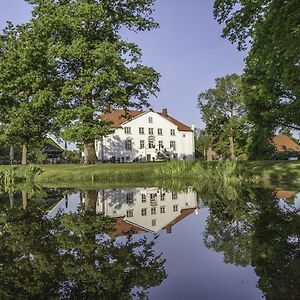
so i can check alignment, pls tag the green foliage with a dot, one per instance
(272, 69)
(202, 142)
(70, 256)
(95, 67)
(31, 171)
(27, 85)
(5, 150)
(223, 112)
(39, 156)
(223, 173)
(250, 227)
(259, 146)
(72, 156)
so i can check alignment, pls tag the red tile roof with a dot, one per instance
(284, 143)
(283, 194)
(183, 214)
(119, 116)
(180, 125)
(122, 228)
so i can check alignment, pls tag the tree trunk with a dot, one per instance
(24, 199)
(91, 200)
(231, 142)
(209, 154)
(24, 154)
(89, 153)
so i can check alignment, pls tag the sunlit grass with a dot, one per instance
(226, 172)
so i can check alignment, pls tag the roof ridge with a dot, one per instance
(118, 119)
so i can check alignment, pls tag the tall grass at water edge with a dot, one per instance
(12, 175)
(222, 172)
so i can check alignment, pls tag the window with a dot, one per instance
(159, 131)
(173, 145)
(151, 144)
(152, 196)
(129, 213)
(127, 130)
(142, 144)
(143, 197)
(141, 130)
(174, 196)
(128, 145)
(150, 130)
(160, 145)
(129, 198)
(162, 209)
(153, 222)
(144, 211)
(175, 207)
(183, 135)
(162, 196)
(153, 210)
(172, 131)
(150, 120)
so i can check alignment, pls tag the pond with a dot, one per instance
(150, 242)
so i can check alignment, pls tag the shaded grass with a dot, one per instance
(273, 171)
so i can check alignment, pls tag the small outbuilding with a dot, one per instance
(286, 147)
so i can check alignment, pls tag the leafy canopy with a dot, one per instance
(97, 68)
(272, 72)
(222, 110)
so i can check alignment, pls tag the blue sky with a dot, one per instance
(187, 50)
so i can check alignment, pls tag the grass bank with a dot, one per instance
(148, 173)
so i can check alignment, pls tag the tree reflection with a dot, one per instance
(253, 228)
(71, 256)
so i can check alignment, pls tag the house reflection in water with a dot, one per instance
(139, 209)
(146, 209)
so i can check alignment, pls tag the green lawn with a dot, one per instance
(97, 173)
(274, 171)
(72, 175)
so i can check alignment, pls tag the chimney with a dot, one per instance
(169, 228)
(164, 112)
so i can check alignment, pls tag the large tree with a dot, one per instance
(272, 73)
(222, 110)
(98, 69)
(27, 87)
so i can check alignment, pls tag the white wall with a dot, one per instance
(117, 202)
(114, 144)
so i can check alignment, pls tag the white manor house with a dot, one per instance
(145, 136)
(135, 210)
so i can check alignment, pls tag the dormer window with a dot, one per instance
(127, 130)
(150, 120)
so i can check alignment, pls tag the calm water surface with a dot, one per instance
(135, 242)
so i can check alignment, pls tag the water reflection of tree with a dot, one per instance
(70, 257)
(252, 228)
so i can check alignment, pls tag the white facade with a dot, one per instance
(150, 209)
(150, 136)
